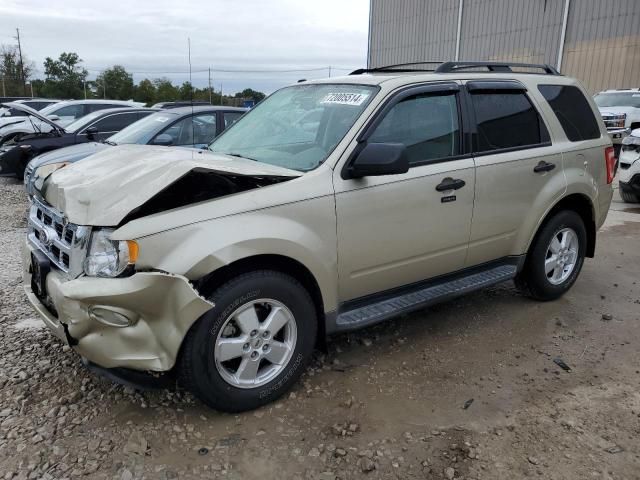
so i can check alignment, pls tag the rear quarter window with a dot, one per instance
(572, 111)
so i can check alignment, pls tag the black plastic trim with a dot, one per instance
(136, 379)
(491, 85)
(333, 325)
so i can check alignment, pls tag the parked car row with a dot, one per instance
(32, 133)
(181, 127)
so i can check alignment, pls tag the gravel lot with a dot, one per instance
(468, 389)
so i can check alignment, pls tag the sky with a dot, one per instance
(149, 38)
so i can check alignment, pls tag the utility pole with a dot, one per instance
(329, 71)
(24, 85)
(221, 99)
(4, 92)
(210, 96)
(84, 86)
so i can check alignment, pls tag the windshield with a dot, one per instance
(296, 127)
(142, 131)
(626, 99)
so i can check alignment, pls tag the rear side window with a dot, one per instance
(573, 111)
(426, 124)
(506, 119)
(115, 123)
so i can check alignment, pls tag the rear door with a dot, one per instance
(519, 170)
(395, 230)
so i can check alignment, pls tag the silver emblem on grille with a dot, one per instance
(47, 236)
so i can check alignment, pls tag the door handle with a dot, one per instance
(450, 184)
(544, 167)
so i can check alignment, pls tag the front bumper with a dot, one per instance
(160, 307)
(617, 135)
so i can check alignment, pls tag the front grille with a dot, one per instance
(624, 166)
(64, 243)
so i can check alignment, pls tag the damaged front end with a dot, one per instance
(84, 283)
(135, 322)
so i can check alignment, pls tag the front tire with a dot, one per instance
(555, 258)
(253, 345)
(629, 197)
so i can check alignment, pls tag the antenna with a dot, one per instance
(193, 128)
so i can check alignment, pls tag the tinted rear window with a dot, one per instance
(506, 120)
(573, 111)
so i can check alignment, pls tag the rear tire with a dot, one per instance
(555, 258)
(253, 345)
(629, 197)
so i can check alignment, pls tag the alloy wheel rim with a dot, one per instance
(255, 343)
(562, 256)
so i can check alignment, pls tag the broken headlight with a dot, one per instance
(109, 258)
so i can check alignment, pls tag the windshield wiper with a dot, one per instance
(233, 154)
(109, 142)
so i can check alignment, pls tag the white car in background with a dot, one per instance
(620, 110)
(629, 171)
(62, 113)
(12, 115)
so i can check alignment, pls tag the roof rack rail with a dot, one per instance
(450, 67)
(398, 68)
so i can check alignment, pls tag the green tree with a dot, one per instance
(250, 94)
(186, 91)
(11, 73)
(145, 91)
(165, 90)
(64, 77)
(115, 83)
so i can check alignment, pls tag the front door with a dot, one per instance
(395, 230)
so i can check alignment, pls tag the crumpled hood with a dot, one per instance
(104, 188)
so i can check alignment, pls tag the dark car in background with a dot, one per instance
(181, 127)
(16, 151)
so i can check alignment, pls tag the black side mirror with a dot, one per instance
(91, 132)
(164, 139)
(379, 159)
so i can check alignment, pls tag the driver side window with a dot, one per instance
(426, 124)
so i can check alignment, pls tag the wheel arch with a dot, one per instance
(280, 263)
(583, 206)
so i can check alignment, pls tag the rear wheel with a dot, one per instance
(555, 258)
(253, 345)
(629, 197)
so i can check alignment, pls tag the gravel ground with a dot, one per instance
(468, 389)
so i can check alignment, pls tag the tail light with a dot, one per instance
(610, 160)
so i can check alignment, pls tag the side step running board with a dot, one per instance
(421, 297)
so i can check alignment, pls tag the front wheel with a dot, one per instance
(555, 257)
(252, 345)
(629, 197)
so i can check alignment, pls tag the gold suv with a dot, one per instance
(332, 205)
